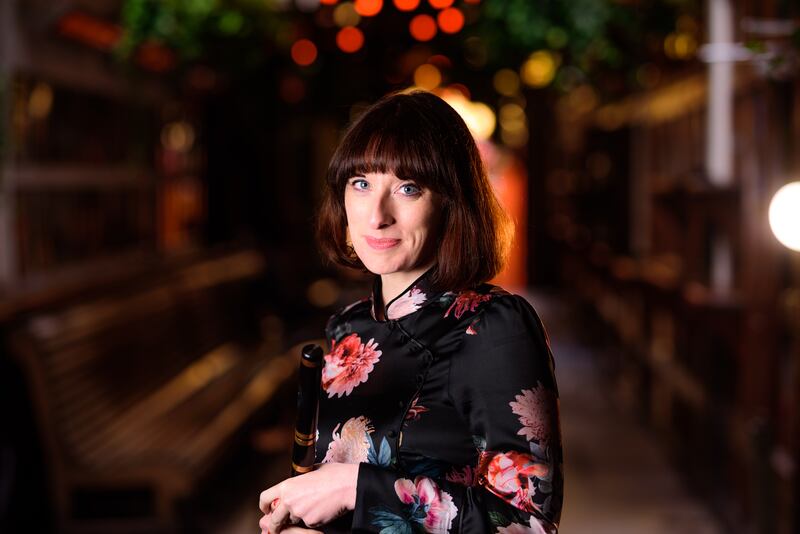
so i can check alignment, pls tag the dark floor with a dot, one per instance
(617, 480)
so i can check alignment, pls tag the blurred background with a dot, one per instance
(160, 163)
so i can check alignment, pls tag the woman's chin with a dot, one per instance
(375, 266)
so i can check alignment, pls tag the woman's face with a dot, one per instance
(392, 222)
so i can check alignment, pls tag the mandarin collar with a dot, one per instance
(414, 297)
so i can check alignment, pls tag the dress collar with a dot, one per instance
(410, 300)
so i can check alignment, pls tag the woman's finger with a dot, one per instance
(278, 518)
(267, 496)
(263, 523)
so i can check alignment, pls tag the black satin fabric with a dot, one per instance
(450, 407)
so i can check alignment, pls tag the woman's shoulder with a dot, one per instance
(499, 314)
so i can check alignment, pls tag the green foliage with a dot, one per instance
(592, 38)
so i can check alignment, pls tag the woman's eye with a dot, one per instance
(360, 185)
(410, 189)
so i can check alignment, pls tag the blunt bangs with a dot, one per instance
(393, 139)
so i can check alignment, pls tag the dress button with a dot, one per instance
(391, 433)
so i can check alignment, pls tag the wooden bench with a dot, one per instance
(138, 389)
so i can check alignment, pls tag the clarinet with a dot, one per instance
(305, 428)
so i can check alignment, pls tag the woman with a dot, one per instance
(439, 408)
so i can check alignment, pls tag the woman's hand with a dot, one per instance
(315, 498)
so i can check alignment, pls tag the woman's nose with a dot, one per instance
(380, 214)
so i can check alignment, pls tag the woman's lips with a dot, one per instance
(381, 243)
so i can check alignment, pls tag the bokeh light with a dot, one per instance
(680, 46)
(422, 28)
(345, 15)
(368, 8)
(513, 125)
(427, 77)
(441, 61)
(784, 215)
(450, 20)
(479, 118)
(350, 39)
(440, 4)
(178, 136)
(328, 2)
(304, 52)
(506, 82)
(41, 101)
(406, 5)
(323, 292)
(539, 69)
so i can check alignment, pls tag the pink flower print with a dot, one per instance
(466, 476)
(515, 528)
(415, 410)
(408, 303)
(439, 504)
(348, 364)
(351, 446)
(508, 475)
(466, 301)
(471, 328)
(537, 409)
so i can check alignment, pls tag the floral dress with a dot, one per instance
(450, 407)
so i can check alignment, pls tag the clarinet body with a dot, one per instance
(305, 429)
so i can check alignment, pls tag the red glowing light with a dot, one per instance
(406, 5)
(155, 57)
(440, 61)
(89, 30)
(451, 20)
(440, 4)
(350, 39)
(368, 8)
(328, 2)
(304, 52)
(422, 28)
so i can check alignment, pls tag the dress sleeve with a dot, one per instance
(502, 383)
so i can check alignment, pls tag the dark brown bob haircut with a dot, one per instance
(418, 136)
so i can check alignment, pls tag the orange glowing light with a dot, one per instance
(440, 4)
(328, 2)
(350, 39)
(422, 28)
(451, 20)
(368, 8)
(406, 5)
(304, 52)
